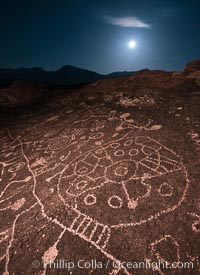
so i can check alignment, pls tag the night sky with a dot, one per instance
(95, 34)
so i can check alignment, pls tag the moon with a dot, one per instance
(132, 44)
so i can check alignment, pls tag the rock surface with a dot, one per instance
(19, 93)
(102, 177)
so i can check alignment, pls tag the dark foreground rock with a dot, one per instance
(102, 179)
(20, 93)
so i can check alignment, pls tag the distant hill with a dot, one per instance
(118, 74)
(67, 75)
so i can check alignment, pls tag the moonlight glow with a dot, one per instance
(132, 44)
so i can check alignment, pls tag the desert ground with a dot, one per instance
(94, 178)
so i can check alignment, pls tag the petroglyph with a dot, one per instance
(139, 101)
(195, 138)
(96, 175)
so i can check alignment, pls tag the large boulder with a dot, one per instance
(157, 79)
(192, 69)
(192, 66)
(143, 82)
(19, 93)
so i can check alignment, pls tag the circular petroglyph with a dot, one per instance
(96, 135)
(90, 199)
(119, 153)
(115, 202)
(133, 152)
(115, 145)
(121, 171)
(128, 142)
(165, 190)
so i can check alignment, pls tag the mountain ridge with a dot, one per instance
(66, 75)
